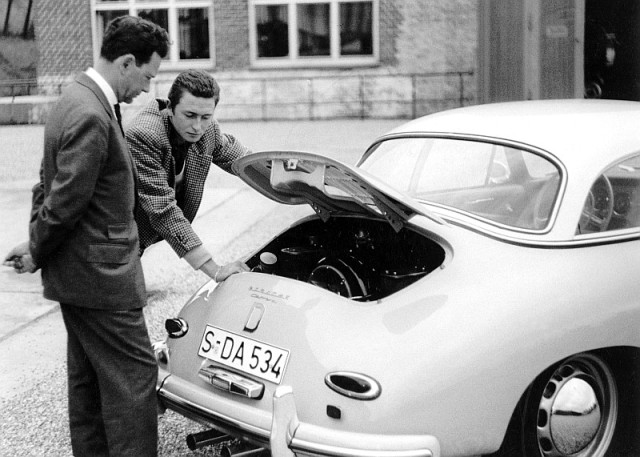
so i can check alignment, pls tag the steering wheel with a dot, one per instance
(598, 208)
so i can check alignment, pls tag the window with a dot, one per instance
(613, 202)
(502, 185)
(188, 22)
(313, 32)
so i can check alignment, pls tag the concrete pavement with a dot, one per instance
(21, 298)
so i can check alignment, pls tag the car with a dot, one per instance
(469, 287)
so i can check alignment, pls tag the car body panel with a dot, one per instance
(443, 315)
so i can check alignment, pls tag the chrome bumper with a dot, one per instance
(283, 433)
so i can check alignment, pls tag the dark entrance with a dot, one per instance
(612, 49)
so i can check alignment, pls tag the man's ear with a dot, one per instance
(126, 60)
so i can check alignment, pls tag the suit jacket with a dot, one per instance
(82, 231)
(159, 214)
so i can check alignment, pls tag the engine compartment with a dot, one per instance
(357, 258)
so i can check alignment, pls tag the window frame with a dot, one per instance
(293, 60)
(173, 61)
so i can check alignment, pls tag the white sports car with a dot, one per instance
(471, 287)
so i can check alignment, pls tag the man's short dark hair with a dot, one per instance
(198, 83)
(134, 35)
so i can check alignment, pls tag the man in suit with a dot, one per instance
(174, 142)
(83, 237)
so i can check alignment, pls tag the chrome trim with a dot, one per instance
(182, 327)
(367, 387)
(303, 446)
(161, 352)
(297, 445)
(254, 318)
(231, 382)
(592, 239)
(578, 408)
(240, 449)
(285, 422)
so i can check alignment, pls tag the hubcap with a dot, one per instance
(578, 409)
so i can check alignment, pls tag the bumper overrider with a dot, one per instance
(282, 432)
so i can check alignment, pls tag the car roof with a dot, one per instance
(578, 132)
(586, 136)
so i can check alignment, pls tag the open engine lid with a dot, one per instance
(329, 186)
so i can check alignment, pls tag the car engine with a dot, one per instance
(357, 258)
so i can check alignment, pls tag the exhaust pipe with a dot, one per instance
(206, 438)
(239, 449)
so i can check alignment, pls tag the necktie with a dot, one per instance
(116, 107)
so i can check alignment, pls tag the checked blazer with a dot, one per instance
(158, 213)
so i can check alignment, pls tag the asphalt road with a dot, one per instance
(233, 221)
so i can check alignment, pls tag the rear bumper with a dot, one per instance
(281, 432)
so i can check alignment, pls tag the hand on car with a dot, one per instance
(231, 268)
(222, 272)
(20, 259)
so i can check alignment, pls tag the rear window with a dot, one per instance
(494, 182)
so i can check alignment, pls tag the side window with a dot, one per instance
(613, 202)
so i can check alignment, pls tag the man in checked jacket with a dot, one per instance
(173, 143)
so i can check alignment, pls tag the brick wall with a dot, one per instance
(390, 20)
(437, 35)
(63, 34)
(231, 23)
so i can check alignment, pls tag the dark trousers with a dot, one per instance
(112, 376)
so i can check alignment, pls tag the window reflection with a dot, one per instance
(103, 18)
(356, 35)
(160, 17)
(273, 30)
(193, 25)
(314, 30)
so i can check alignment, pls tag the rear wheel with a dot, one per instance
(574, 409)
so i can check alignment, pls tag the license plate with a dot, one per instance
(249, 356)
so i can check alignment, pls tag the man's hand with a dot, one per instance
(221, 272)
(20, 259)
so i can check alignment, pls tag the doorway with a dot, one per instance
(612, 49)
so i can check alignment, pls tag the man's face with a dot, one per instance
(192, 115)
(137, 79)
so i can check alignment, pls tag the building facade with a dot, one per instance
(543, 49)
(292, 59)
